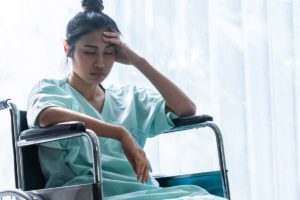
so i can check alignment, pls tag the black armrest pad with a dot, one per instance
(57, 129)
(191, 120)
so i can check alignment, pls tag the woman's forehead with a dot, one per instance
(94, 36)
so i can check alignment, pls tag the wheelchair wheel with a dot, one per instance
(17, 195)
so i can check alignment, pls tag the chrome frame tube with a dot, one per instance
(220, 148)
(97, 161)
(221, 155)
(4, 104)
(16, 193)
(15, 116)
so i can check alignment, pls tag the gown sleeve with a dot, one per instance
(151, 112)
(45, 94)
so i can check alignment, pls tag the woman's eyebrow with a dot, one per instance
(95, 47)
(91, 46)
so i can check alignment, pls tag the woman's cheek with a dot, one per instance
(86, 61)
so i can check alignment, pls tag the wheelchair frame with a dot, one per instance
(77, 129)
(43, 135)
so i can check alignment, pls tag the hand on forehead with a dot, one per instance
(95, 39)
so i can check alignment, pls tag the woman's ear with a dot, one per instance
(66, 47)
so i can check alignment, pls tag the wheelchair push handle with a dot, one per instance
(4, 104)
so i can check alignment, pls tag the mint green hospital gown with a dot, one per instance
(69, 162)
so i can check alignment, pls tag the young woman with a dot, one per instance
(122, 117)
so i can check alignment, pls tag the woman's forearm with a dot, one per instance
(176, 100)
(54, 115)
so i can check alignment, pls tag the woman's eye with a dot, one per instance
(108, 53)
(89, 53)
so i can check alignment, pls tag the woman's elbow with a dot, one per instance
(42, 120)
(188, 111)
(193, 110)
(46, 118)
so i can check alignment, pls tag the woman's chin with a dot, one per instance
(96, 79)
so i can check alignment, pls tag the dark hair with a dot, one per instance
(90, 19)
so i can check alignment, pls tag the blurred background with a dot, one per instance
(238, 60)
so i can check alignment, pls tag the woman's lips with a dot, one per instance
(98, 73)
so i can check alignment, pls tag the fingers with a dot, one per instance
(116, 41)
(112, 37)
(111, 34)
(142, 168)
(145, 174)
(124, 54)
(139, 167)
(145, 171)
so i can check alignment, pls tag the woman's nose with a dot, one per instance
(99, 66)
(99, 62)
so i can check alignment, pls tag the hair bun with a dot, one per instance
(92, 5)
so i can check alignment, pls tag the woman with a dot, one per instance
(122, 117)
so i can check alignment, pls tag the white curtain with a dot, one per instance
(239, 60)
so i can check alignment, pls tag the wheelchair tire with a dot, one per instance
(16, 194)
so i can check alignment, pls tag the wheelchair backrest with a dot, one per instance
(32, 174)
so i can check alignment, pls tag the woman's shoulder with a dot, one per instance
(52, 81)
(49, 84)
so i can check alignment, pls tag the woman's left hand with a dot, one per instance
(123, 53)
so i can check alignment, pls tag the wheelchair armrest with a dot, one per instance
(63, 131)
(184, 123)
(53, 131)
(191, 120)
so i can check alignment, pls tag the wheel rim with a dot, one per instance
(14, 194)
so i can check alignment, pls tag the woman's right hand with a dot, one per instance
(136, 156)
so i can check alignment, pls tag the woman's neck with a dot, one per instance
(89, 91)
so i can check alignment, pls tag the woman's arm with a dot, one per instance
(133, 152)
(177, 101)
(54, 115)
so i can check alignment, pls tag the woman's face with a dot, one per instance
(93, 58)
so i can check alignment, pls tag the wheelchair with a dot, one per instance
(30, 182)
